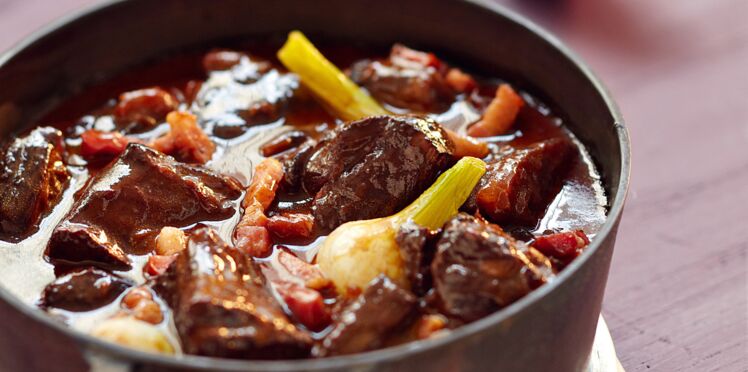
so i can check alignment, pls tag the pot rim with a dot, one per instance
(125, 354)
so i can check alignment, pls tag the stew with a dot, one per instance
(267, 202)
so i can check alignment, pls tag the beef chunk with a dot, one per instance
(222, 307)
(479, 269)
(517, 188)
(407, 79)
(125, 206)
(294, 163)
(32, 178)
(374, 167)
(366, 322)
(417, 255)
(83, 290)
(241, 92)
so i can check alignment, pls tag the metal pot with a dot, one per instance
(550, 329)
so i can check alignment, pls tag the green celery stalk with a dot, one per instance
(441, 201)
(326, 81)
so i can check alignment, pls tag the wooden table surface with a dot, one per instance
(677, 295)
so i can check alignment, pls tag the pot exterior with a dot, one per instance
(552, 329)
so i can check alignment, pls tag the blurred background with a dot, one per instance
(677, 297)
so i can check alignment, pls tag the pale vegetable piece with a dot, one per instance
(133, 333)
(357, 252)
(326, 81)
(170, 241)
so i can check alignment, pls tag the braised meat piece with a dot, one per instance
(32, 178)
(125, 206)
(374, 167)
(294, 162)
(240, 92)
(417, 253)
(517, 187)
(83, 290)
(479, 269)
(408, 79)
(367, 321)
(222, 307)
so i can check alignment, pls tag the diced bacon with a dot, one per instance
(253, 240)
(460, 81)
(185, 140)
(139, 301)
(96, 144)
(564, 245)
(290, 277)
(500, 113)
(157, 264)
(400, 53)
(467, 146)
(251, 234)
(291, 225)
(254, 215)
(309, 274)
(267, 177)
(306, 305)
(146, 106)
